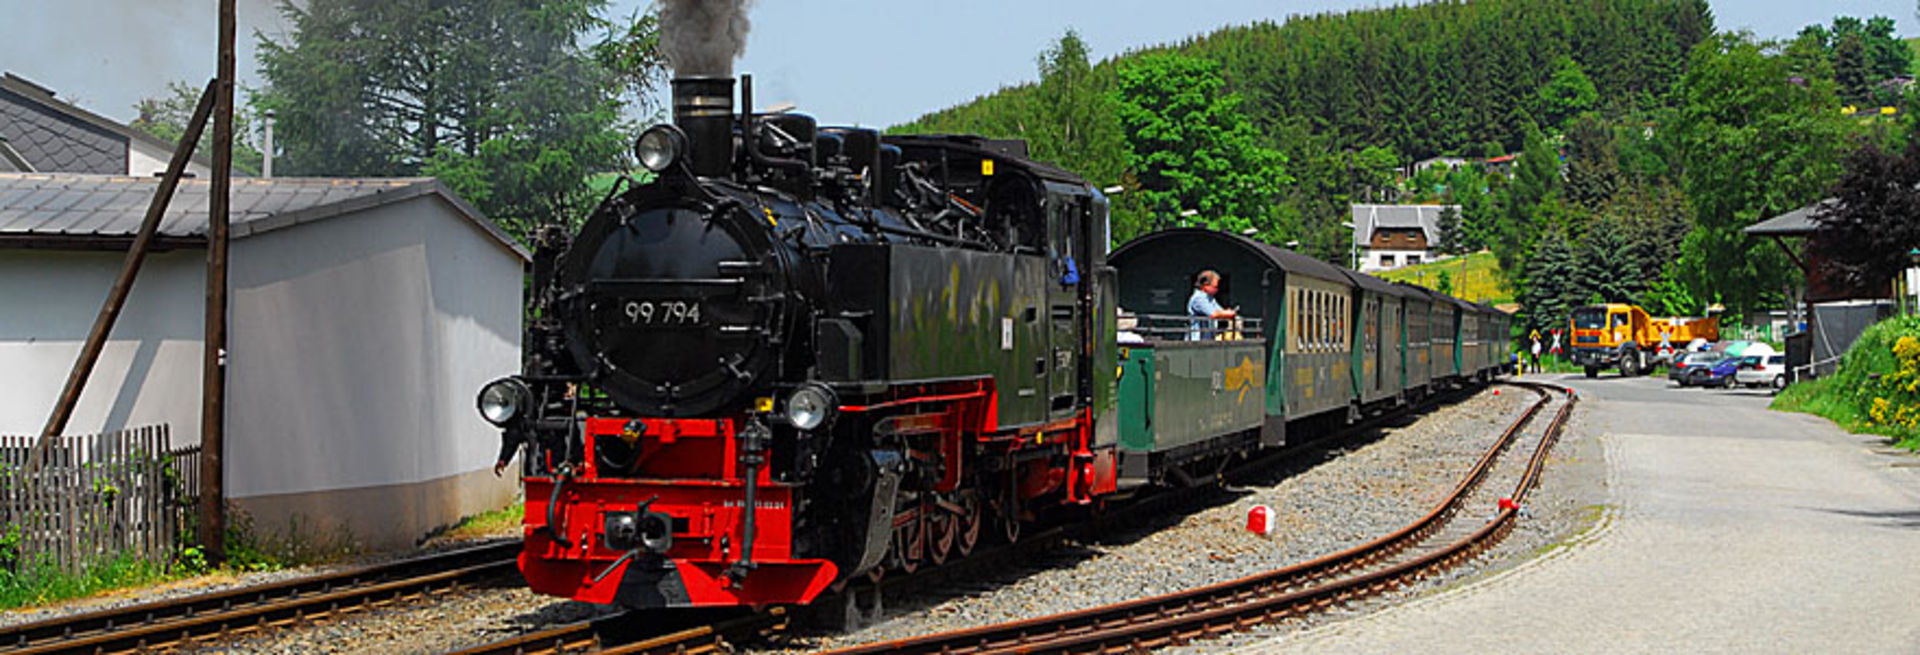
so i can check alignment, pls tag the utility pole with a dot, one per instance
(213, 419)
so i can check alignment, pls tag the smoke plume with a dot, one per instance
(703, 37)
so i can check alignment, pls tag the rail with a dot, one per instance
(171, 623)
(1372, 568)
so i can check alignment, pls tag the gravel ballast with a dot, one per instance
(1361, 488)
(1327, 498)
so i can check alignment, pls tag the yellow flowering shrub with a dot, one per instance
(1891, 395)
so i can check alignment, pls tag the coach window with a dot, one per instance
(1313, 320)
(1319, 320)
(1293, 319)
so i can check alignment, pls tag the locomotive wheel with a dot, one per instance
(943, 528)
(910, 543)
(969, 524)
(1008, 517)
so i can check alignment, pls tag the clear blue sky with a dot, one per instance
(872, 62)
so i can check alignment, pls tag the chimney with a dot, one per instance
(703, 108)
(266, 148)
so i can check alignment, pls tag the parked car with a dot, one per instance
(1768, 370)
(1718, 374)
(1683, 363)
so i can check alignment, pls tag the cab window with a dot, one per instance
(1588, 319)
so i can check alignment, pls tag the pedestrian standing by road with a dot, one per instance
(1536, 351)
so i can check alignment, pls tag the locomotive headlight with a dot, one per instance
(660, 146)
(810, 406)
(504, 400)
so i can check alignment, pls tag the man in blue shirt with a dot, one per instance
(1203, 307)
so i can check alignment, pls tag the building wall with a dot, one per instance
(1370, 260)
(359, 343)
(149, 372)
(145, 160)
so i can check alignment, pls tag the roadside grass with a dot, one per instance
(1876, 389)
(485, 524)
(41, 583)
(28, 581)
(1475, 277)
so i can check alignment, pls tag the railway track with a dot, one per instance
(1446, 537)
(173, 623)
(1364, 568)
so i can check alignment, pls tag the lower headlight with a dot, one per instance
(810, 406)
(504, 400)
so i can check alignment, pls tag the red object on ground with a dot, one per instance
(1507, 503)
(1496, 392)
(1260, 520)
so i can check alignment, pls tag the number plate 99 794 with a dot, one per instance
(662, 312)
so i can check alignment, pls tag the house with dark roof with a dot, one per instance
(364, 316)
(41, 133)
(1391, 236)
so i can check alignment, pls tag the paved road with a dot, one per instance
(1729, 529)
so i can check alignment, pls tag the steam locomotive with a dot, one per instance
(800, 355)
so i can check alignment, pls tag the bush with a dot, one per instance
(1876, 388)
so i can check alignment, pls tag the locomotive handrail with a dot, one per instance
(1177, 327)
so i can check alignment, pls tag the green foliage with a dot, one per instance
(497, 97)
(1076, 109)
(1447, 77)
(1755, 145)
(1446, 283)
(1553, 283)
(1189, 147)
(1409, 82)
(1593, 165)
(39, 582)
(1876, 388)
(1473, 222)
(166, 117)
(1609, 268)
(1374, 169)
(1567, 93)
(490, 523)
(1859, 56)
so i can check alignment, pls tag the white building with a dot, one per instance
(365, 315)
(1392, 236)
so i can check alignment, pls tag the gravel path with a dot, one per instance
(1367, 487)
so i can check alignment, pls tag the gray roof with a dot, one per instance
(11, 160)
(1798, 222)
(55, 135)
(49, 209)
(1367, 218)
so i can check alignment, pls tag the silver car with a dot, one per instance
(1762, 371)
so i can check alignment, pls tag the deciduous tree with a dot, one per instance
(498, 98)
(1190, 148)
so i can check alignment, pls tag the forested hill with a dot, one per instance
(1445, 77)
(1451, 76)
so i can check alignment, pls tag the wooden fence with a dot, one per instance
(97, 496)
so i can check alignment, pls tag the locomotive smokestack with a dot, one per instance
(701, 38)
(703, 108)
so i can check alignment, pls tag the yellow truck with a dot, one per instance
(1615, 334)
